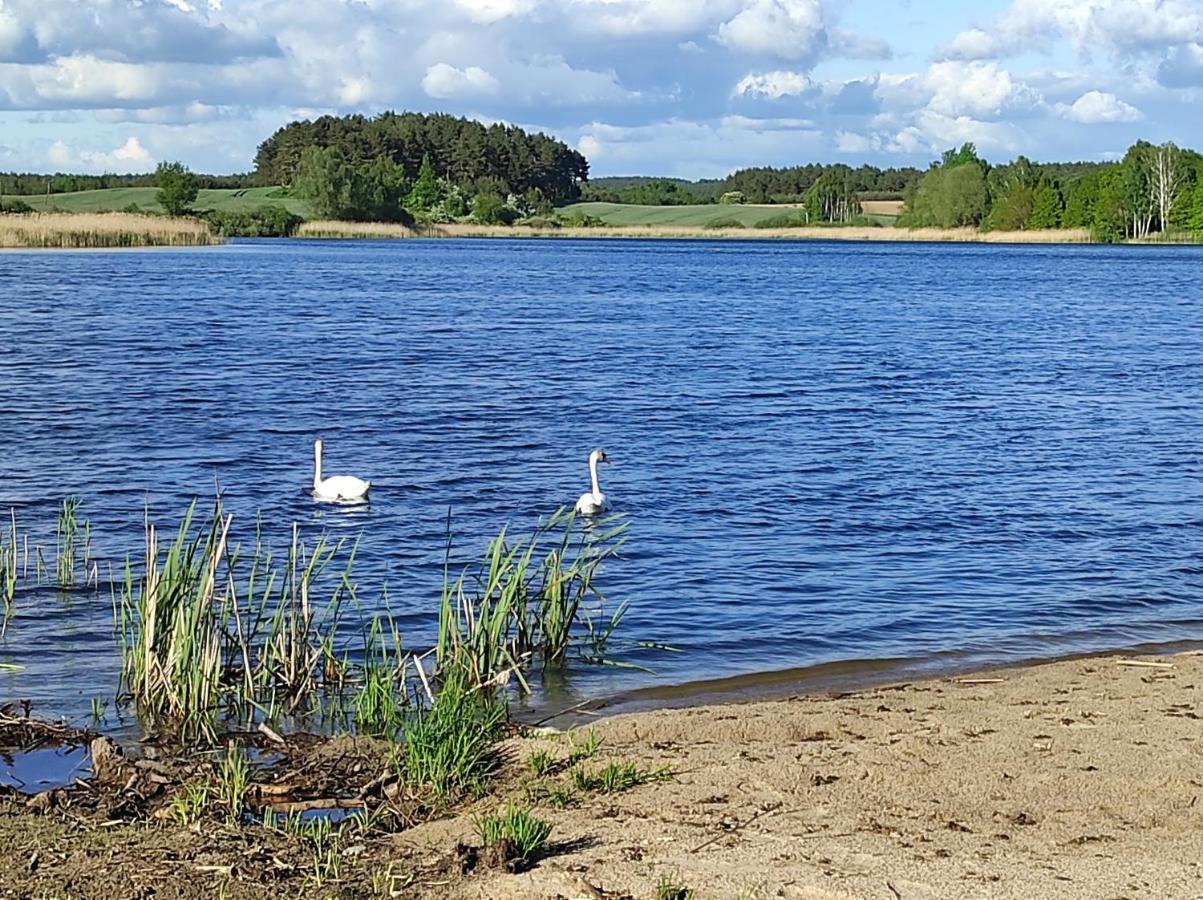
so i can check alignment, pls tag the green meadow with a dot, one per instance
(113, 199)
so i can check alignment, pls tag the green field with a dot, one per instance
(241, 200)
(689, 216)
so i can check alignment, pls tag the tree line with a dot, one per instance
(27, 184)
(496, 159)
(1153, 189)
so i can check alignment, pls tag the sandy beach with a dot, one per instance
(1078, 778)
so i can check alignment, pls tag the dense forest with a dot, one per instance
(473, 157)
(1154, 189)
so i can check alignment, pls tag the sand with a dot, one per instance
(1071, 779)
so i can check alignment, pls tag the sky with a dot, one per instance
(682, 88)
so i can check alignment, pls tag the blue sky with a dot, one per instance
(691, 88)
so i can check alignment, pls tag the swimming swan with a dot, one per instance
(593, 502)
(343, 488)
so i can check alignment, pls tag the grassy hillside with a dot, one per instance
(696, 216)
(144, 197)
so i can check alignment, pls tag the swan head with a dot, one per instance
(317, 446)
(598, 456)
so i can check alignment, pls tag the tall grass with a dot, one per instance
(101, 230)
(9, 554)
(207, 630)
(329, 228)
(525, 601)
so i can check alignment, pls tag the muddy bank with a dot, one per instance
(1078, 778)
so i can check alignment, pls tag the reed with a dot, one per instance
(75, 231)
(526, 600)
(71, 541)
(9, 554)
(450, 746)
(330, 228)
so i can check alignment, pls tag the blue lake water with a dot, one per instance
(829, 451)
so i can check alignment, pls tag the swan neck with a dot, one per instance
(317, 465)
(593, 475)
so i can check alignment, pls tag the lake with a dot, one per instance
(950, 454)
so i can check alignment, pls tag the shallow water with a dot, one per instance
(829, 451)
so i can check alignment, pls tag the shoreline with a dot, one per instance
(1071, 778)
(838, 676)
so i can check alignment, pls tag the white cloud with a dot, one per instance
(129, 157)
(976, 88)
(1099, 107)
(1112, 26)
(774, 85)
(488, 11)
(443, 82)
(788, 29)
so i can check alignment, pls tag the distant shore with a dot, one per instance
(330, 229)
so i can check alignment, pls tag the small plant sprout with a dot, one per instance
(189, 803)
(234, 779)
(99, 706)
(586, 747)
(670, 887)
(542, 763)
(615, 777)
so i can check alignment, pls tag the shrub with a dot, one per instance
(266, 221)
(725, 223)
(491, 209)
(15, 206)
(732, 197)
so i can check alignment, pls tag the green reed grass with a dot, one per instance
(210, 629)
(527, 600)
(71, 541)
(9, 553)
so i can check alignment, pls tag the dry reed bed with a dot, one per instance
(74, 231)
(331, 229)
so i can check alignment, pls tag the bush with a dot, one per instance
(732, 197)
(725, 223)
(491, 209)
(793, 220)
(15, 206)
(582, 220)
(266, 221)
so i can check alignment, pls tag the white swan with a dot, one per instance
(342, 488)
(593, 502)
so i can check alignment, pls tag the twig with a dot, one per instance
(736, 828)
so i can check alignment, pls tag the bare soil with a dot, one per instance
(1071, 779)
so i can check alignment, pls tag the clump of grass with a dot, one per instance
(526, 833)
(233, 781)
(542, 763)
(557, 796)
(584, 748)
(450, 746)
(670, 887)
(188, 805)
(615, 777)
(92, 230)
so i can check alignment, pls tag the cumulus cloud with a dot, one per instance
(773, 85)
(129, 157)
(1113, 26)
(443, 82)
(1099, 107)
(788, 29)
